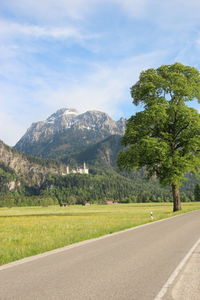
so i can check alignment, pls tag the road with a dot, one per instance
(131, 265)
(186, 284)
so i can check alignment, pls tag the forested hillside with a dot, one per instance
(97, 187)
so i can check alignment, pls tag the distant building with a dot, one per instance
(109, 202)
(79, 170)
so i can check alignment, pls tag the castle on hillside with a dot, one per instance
(83, 170)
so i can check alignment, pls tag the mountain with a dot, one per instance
(67, 131)
(101, 154)
(17, 169)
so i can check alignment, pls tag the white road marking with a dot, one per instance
(173, 276)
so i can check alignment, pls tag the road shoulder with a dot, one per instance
(187, 284)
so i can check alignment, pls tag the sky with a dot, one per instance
(86, 54)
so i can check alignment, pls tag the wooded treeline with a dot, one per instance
(97, 187)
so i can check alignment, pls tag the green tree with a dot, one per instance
(164, 137)
(197, 192)
(71, 200)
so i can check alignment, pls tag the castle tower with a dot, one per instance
(85, 169)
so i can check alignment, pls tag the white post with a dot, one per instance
(67, 169)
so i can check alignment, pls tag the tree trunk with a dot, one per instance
(176, 197)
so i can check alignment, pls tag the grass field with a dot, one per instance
(27, 231)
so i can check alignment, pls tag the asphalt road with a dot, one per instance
(131, 265)
(186, 285)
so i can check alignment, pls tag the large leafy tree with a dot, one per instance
(164, 137)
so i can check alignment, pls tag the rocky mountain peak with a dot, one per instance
(63, 112)
(122, 124)
(67, 130)
(62, 115)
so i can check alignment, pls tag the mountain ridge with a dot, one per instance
(101, 154)
(66, 131)
(25, 169)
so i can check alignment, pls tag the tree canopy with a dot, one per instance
(164, 137)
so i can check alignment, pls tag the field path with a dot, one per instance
(134, 265)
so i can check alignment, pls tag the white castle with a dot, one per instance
(83, 170)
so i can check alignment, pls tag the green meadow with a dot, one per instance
(26, 231)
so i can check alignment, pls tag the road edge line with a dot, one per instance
(176, 272)
(82, 243)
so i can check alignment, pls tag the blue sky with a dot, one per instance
(86, 54)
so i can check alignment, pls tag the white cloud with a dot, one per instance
(106, 88)
(51, 9)
(77, 9)
(136, 8)
(176, 15)
(8, 29)
(48, 82)
(163, 10)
